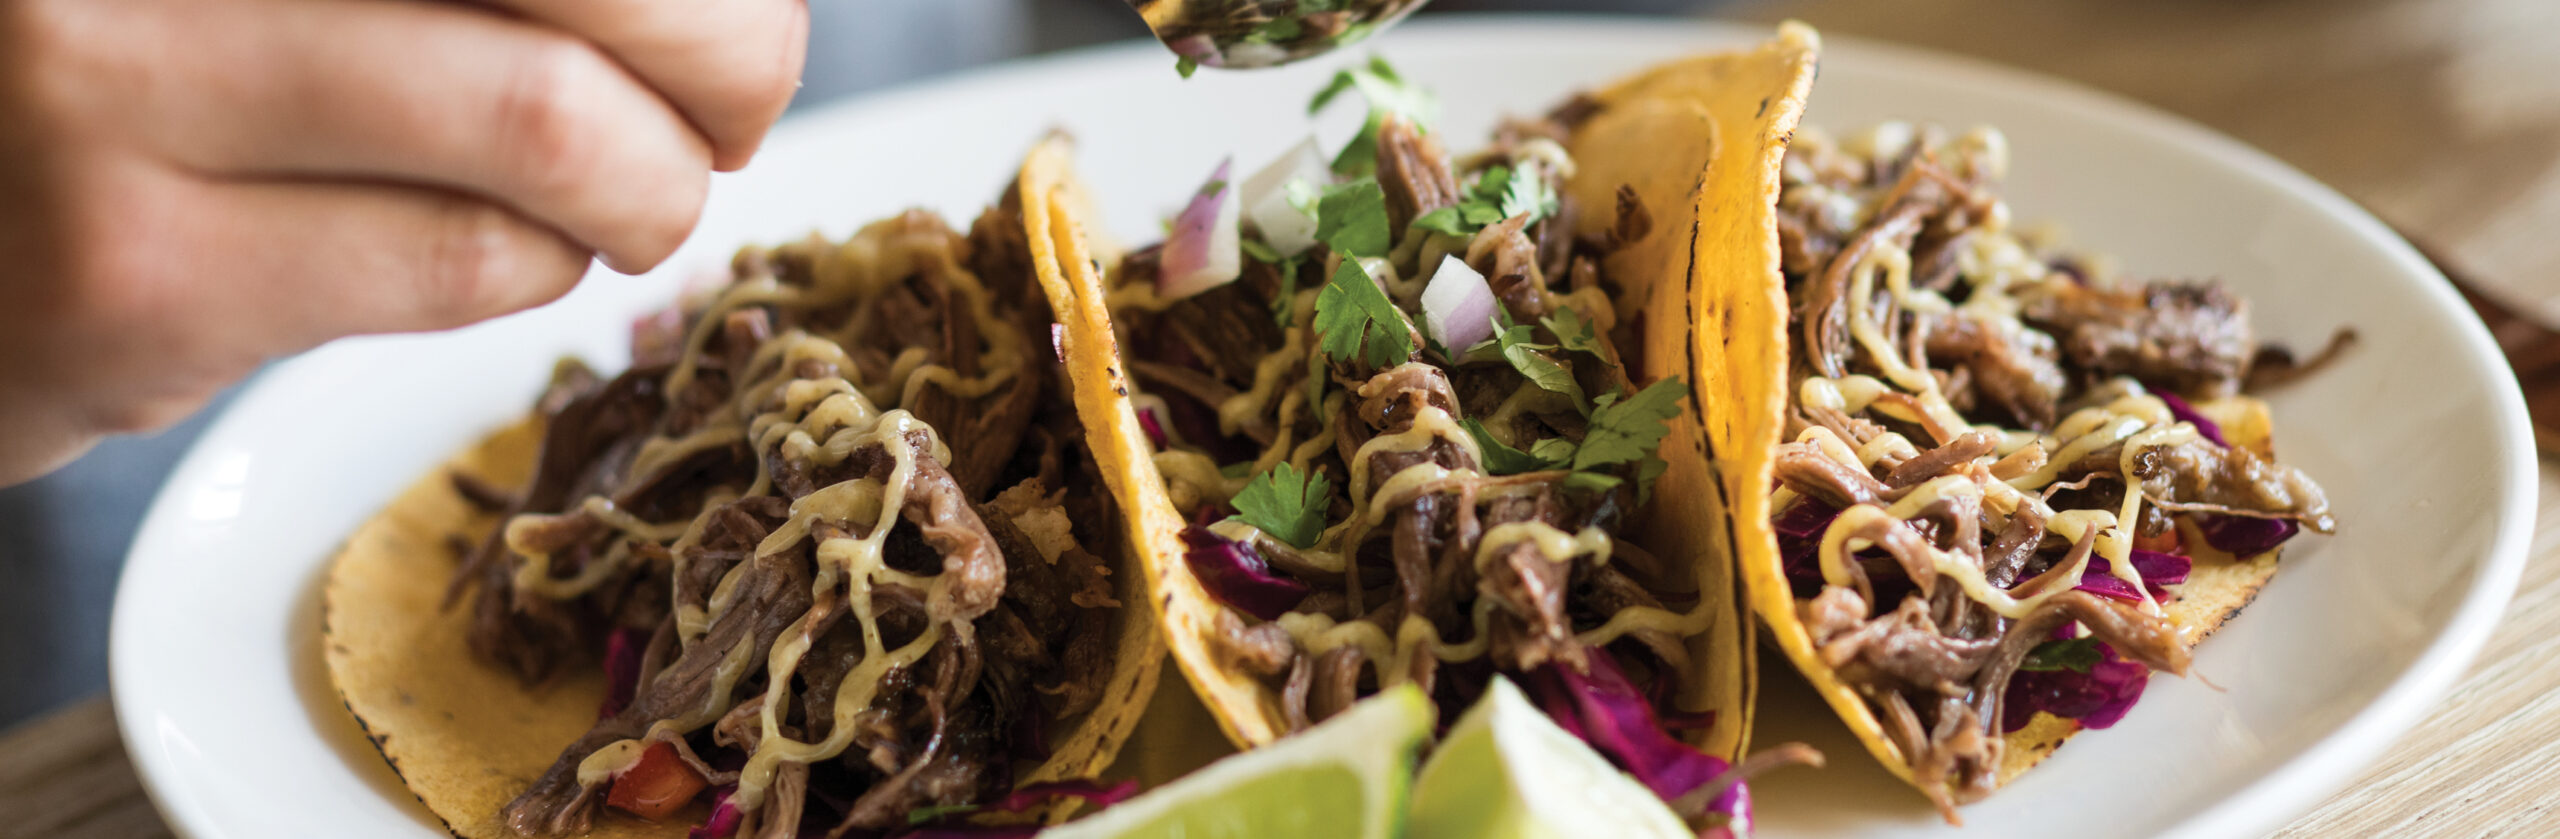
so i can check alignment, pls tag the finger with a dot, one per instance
(427, 94)
(322, 261)
(730, 65)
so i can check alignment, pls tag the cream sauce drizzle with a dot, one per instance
(822, 420)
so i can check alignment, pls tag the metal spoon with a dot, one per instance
(1242, 34)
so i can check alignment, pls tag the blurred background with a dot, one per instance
(2443, 116)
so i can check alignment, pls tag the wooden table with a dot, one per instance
(2442, 116)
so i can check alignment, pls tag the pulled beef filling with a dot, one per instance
(659, 493)
(1440, 556)
(1924, 327)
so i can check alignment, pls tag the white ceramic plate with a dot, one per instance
(2419, 435)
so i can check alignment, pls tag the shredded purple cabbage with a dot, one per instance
(1154, 428)
(2243, 536)
(2205, 428)
(1606, 710)
(2157, 569)
(1237, 575)
(1800, 530)
(622, 651)
(724, 817)
(2097, 699)
(2240, 536)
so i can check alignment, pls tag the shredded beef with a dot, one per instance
(2192, 338)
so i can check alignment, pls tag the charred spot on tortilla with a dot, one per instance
(828, 574)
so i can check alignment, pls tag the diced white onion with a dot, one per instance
(1266, 197)
(1457, 307)
(1202, 253)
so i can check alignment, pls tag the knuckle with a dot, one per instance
(470, 258)
(547, 122)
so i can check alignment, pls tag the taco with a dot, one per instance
(825, 559)
(1380, 417)
(2012, 486)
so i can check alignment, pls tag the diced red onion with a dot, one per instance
(1058, 341)
(1284, 227)
(1203, 252)
(1457, 306)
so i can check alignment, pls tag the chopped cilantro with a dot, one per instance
(1523, 192)
(1284, 304)
(1278, 30)
(2074, 654)
(922, 815)
(1498, 193)
(1353, 306)
(1352, 219)
(1555, 450)
(1356, 33)
(1288, 505)
(1627, 430)
(1572, 332)
(1501, 459)
(1186, 66)
(1443, 220)
(1533, 362)
(1387, 93)
(1593, 481)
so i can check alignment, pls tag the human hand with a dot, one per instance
(191, 187)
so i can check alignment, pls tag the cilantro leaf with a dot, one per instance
(1627, 430)
(1572, 332)
(1497, 193)
(1593, 481)
(1522, 193)
(1284, 305)
(1352, 219)
(921, 815)
(1388, 94)
(1502, 459)
(1532, 362)
(2074, 654)
(1259, 251)
(1554, 450)
(1186, 66)
(1276, 31)
(1352, 306)
(1288, 505)
(1444, 220)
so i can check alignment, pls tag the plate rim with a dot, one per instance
(2280, 793)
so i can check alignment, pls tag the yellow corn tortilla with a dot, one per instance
(467, 737)
(1744, 377)
(1680, 135)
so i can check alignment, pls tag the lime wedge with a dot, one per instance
(1345, 778)
(1507, 770)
